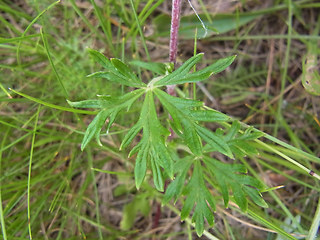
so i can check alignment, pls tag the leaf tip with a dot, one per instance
(69, 102)
(90, 50)
(138, 185)
(90, 75)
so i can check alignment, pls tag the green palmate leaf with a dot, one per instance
(179, 110)
(205, 73)
(95, 127)
(185, 114)
(152, 152)
(151, 149)
(217, 66)
(114, 77)
(100, 58)
(234, 176)
(216, 142)
(141, 162)
(239, 143)
(182, 75)
(159, 68)
(124, 70)
(117, 71)
(174, 190)
(108, 102)
(198, 194)
(255, 196)
(209, 116)
(251, 134)
(191, 137)
(242, 148)
(110, 107)
(131, 134)
(180, 72)
(233, 131)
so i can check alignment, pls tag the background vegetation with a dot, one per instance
(50, 187)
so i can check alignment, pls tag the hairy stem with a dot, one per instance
(175, 22)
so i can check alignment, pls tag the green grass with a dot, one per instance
(51, 190)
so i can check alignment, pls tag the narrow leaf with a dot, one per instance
(159, 68)
(94, 128)
(110, 108)
(141, 164)
(125, 70)
(209, 116)
(180, 103)
(164, 159)
(180, 72)
(197, 194)
(218, 66)
(239, 195)
(244, 147)
(214, 141)
(191, 138)
(255, 196)
(198, 76)
(116, 77)
(151, 148)
(242, 185)
(100, 58)
(130, 135)
(157, 175)
(174, 190)
(223, 189)
(187, 206)
(191, 78)
(233, 131)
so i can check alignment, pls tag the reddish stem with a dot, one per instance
(157, 216)
(175, 23)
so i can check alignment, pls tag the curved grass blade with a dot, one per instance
(53, 105)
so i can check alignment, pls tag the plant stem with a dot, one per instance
(29, 172)
(175, 22)
(174, 31)
(2, 222)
